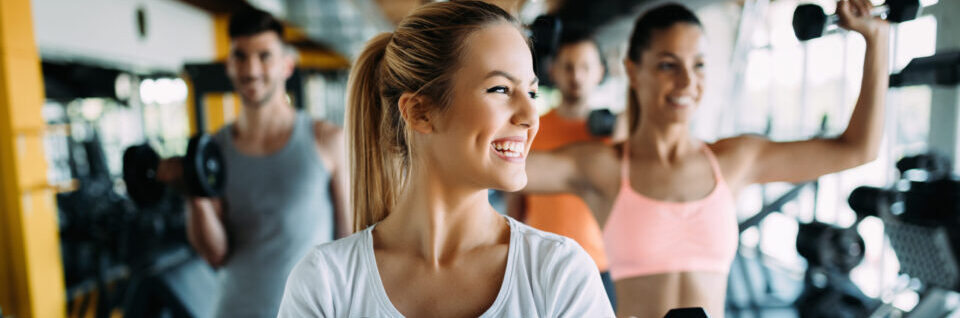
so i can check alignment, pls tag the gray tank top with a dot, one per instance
(275, 208)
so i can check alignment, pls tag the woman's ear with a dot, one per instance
(415, 111)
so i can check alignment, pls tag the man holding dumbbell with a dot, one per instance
(285, 185)
(576, 71)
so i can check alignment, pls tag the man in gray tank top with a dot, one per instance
(286, 178)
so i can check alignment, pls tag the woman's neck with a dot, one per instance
(438, 221)
(666, 143)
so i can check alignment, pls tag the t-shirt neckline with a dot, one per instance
(505, 287)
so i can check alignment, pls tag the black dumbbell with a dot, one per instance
(687, 312)
(871, 201)
(201, 172)
(601, 122)
(810, 21)
(830, 246)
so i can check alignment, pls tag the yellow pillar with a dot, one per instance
(191, 112)
(217, 110)
(216, 106)
(31, 272)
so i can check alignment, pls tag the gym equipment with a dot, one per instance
(688, 312)
(200, 172)
(825, 245)
(921, 218)
(601, 122)
(810, 21)
(831, 253)
(828, 293)
(868, 201)
(928, 194)
(179, 285)
(107, 241)
(938, 69)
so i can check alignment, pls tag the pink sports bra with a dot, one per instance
(644, 236)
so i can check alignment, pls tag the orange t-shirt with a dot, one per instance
(565, 214)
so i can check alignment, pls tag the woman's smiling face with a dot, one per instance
(482, 138)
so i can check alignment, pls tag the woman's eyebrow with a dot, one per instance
(509, 77)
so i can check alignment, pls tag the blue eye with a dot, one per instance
(498, 89)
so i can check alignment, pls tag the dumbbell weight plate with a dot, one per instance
(809, 21)
(204, 172)
(140, 175)
(902, 10)
(601, 122)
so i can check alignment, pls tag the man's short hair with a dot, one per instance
(572, 36)
(252, 22)
(568, 37)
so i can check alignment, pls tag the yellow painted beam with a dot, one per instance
(322, 60)
(213, 104)
(310, 55)
(221, 109)
(31, 271)
(293, 34)
(221, 38)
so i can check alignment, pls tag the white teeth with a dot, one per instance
(511, 149)
(686, 100)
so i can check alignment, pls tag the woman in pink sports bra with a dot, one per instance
(666, 199)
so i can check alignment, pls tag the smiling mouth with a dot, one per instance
(685, 101)
(510, 150)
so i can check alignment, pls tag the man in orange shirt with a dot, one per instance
(576, 71)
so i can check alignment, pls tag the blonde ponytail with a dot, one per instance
(374, 174)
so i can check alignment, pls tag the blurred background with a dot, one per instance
(82, 80)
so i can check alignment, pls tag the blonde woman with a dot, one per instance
(440, 111)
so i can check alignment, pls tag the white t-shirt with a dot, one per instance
(547, 275)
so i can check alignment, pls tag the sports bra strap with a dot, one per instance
(714, 164)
